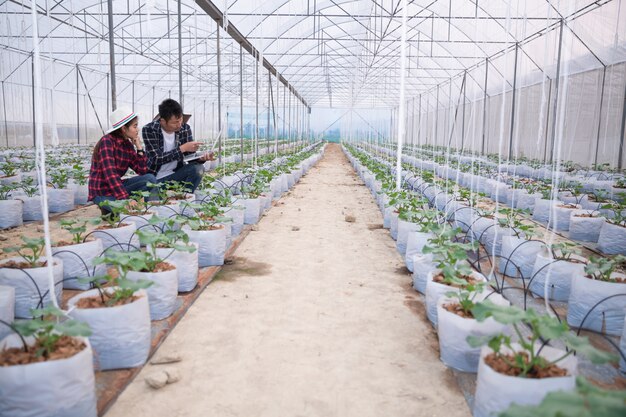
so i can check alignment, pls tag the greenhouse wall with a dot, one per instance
(579, 121)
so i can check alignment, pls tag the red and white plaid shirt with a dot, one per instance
(114, 158)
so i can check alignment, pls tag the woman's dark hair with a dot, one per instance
(170, 107)
(117, 133)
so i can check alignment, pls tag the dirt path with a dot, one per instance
(315, 317)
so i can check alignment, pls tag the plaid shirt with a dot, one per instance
(153, 140)
(114, 158)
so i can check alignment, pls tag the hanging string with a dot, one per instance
(41, 154)
(401, 109)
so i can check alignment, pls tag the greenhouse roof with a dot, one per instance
(332, 52)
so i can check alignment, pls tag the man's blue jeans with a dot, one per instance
(191, 173)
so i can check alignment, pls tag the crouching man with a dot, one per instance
(167, 141)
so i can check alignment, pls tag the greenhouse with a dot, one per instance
(312, 208)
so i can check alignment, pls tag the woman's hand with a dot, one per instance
(137, 142)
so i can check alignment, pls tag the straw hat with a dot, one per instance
(119, 118)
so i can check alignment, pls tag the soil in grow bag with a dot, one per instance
(499, 364)
(96, 301)
(66, 347)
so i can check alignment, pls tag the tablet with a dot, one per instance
(193, 156)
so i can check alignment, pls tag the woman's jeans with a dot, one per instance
(137, 183)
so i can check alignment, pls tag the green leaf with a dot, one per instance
(583, 347)
(585, 401)
(478, 341)
(501, 314)
(74, 328)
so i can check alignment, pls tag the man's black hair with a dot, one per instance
(170, 107)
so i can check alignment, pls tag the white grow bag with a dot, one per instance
(7, 309)
(585, 294)
(422, 266)
(162, 294)
(120, 239)
(404, 229)
(414, 246)
(78, 263)
(60, 200)
(454, 330)
(435, 290)
(559, 275)
(211, 245)
(585, 229)
(10, 213)
(31, 209)
(518, 253)
(186, 264)
(495, 392)
(612, 239)
(120, 335)
(58, 388)
(28, 293)
(252, 211)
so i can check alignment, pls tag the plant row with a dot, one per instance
(519, 354)
(129, 267)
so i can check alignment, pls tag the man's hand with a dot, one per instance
(209, 156)
(190, 146)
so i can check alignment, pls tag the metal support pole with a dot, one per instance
(545, 144)
(513, 100)
(256, 103)
(463, 112)
(4, 109)
(180, 53)
(284, 118)
(219, 95)
(32, 73)
(289, 126)
(595, 158)
(77, 107)
(112, 56)
(556, 92)
(269, 88)
(241, 100)
(436, 116)
(419, 122)
(133, 94)
(484, 136)
(275, 117)
(108, 94)
(620, 154)
(427, 106)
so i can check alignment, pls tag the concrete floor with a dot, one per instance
(315, 317)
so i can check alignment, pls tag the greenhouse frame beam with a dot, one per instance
(218, 16)
(112, 56)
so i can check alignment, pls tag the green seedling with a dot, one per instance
(47, 328)
(602, 269)
(31, 250)
(543, 329)
(118, 290)
(586, 401)
(77, 228)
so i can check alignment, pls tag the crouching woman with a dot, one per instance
(119, 149)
